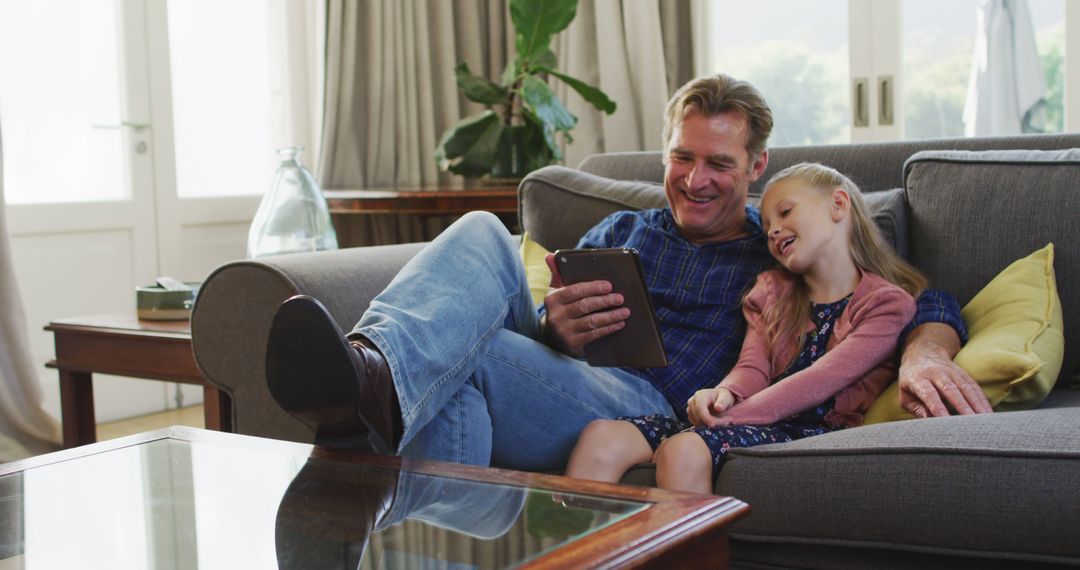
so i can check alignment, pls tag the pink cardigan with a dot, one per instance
(857, 366)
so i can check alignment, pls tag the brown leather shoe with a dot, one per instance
(342, 389)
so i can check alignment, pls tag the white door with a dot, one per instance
(79, 171)
(138, 139)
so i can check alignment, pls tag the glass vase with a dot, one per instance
(293, 216)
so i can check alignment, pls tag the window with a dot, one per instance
(938, 44)
(79, 78)
(796, 53)
(223, 101)
(803, 56)
(60, 101)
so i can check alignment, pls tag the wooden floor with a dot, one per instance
(191, 416)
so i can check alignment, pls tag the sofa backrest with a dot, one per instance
(557, 205)
(974, 213)
(872, 166)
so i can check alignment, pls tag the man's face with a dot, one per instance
(708, 174)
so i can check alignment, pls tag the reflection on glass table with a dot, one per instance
(185, 498)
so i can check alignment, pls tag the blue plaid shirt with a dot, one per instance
(697, 293)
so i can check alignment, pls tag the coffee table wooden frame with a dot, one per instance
(679, 530)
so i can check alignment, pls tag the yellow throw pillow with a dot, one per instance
(1016, 339)
(536, 269)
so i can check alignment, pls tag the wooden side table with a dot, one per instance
(123, 345)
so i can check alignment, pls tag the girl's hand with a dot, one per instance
(724, 400)
(705, 405)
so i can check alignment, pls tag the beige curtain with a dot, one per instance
(390, 94)
(25, 428)
(639, 52)
(390, 90)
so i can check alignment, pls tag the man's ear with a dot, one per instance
(759, 165)
(841, 204)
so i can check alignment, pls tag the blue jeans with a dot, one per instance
(475, 383)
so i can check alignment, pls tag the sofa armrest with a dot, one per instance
(231, 320)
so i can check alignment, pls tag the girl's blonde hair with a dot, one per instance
(869, 251)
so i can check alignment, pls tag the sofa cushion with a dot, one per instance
(890, 212)
(973, 213)
(536, 270)
(1016, 340)
(1016, 345)
(990, 485)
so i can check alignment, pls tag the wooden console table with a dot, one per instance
(429, 201)
(499, 200)
(123, 345)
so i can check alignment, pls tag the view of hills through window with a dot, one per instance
(798, 57)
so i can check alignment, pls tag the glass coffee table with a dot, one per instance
(189, 498)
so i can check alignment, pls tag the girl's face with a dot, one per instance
(805, 226)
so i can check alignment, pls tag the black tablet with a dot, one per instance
(638, 344)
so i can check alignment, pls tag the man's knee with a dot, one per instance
(482, 230)
(484, 222)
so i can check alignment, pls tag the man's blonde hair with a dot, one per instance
(718, 94)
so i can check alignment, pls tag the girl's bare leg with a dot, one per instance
(606, 449)
(684, 463)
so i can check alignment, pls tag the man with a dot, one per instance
(452, 361)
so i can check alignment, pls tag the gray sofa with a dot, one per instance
(980, 491)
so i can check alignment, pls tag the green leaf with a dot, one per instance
(510, 73)
(545, 105)
(541, 135)
(536, 21)
(543, 62)
(477, 88)
(593, 95)
(469, 147)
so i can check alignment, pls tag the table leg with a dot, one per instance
(217, 409)
(77, 408)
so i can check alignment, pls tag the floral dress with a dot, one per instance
(656, 428)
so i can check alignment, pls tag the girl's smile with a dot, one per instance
(804, 234)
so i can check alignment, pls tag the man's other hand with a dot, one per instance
(580, 313)
(929, 379)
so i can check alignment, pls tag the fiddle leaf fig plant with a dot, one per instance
(520, 128)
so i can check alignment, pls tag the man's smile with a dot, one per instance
(698, 199)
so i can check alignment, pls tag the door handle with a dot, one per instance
(885, 108)
(860, 102)
(137, 127)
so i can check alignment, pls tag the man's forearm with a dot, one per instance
(930, 340)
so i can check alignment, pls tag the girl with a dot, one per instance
(821, 334)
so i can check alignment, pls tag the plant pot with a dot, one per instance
(511, 162)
